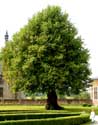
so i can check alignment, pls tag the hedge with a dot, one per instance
(19, 111)
(4, 117)
(71, 120)
(32, 111)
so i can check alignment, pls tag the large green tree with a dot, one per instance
(47, 56)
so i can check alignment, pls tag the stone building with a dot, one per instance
(5, 92)
(94, 91)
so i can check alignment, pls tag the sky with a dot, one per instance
(14, 14)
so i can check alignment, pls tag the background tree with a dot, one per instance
(47, 56)
(0, 62)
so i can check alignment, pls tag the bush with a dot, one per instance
(86, 105)
(72, 120)
(4, 117)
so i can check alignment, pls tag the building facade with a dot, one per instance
(5, 92)
(94, 91)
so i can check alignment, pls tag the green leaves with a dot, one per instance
(47, 54)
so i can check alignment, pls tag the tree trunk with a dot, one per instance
(52, 101)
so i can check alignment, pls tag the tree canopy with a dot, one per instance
(47, 55)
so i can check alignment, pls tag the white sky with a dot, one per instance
(14, 14)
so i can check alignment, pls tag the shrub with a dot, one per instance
(72, 120)
(86, 105)
(34, 116)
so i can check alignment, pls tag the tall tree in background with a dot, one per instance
(47, 56)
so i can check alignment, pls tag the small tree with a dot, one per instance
(47, 56)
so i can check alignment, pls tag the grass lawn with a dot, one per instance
(21, 107)
(42, 107)
(81, 108)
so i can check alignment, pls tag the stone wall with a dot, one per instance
(42, 102)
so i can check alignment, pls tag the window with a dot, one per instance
(95, 92)
(1, 92)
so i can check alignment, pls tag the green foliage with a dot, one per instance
(0, 61)
(86, 105)
(17, 116)
(72, 120)
(41, 117)
(47, 54)
(0, 56)
(82, 95)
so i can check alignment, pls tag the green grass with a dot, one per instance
(36, 109)
(81, 109)
(8, 111)
(21, 107)
(42, 108)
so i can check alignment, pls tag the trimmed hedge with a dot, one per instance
(72, 120)
(19, 111)
(4, 117)
(32, 111)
